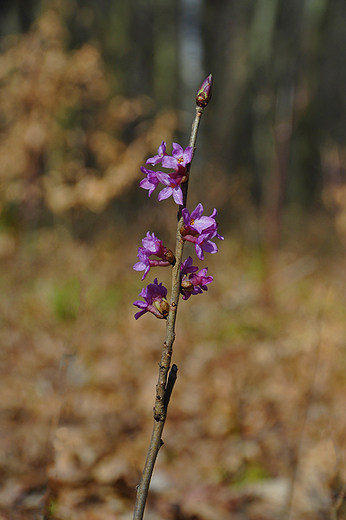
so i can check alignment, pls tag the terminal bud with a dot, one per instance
(204, 92)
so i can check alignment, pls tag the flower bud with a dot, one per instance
(162, 306)
(186, 285)
(184, 231)
(169, 256)
(204, 92)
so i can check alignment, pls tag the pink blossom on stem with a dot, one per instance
(195, 223)
(155, 301)
(193, 283)
(172, 188)
(202, 243)
(158, 158)
(178, 162)
(150, 182)
(187, 267)
(180, 157)
(153, 246)
(200, 230)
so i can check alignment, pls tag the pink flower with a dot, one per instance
(172, 188)
(200, 230)
(150, 182)
(193, 283)
(153, 246)
(158, 158)
(178, 162)
(154, 301)
(180, 157)
(196, 223)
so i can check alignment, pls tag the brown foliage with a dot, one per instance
(62, 128)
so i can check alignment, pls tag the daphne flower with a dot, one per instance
(158, 158)
(144, 263)
(171, 181)
(172, 188)
(151, 181)
(193, 283)
(196, 223)
(204, 243)
(180, 157)
(153, 246)
(155, 301)
(177, 162)
(200, 230)
(187, 267)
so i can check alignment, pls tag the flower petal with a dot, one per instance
(199, 251)
(164, 178)
(188, 155)
(177, 151)
(170, 162)
(139, 266)
(140, 313)
(178, 195)
(209, 247)
(197, 212)
(165, 193)
(140, 304)
(186, 216)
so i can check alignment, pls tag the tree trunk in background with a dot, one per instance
(225, 25)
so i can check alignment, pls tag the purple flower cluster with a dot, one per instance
(153, 246)
(155, 301)
(197, 228)
(178, 162)
(191, 281)
(200, 230)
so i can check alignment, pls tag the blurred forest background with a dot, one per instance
(88, 90)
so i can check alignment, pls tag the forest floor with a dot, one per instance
(257, 420)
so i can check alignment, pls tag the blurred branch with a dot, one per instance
(276, 187)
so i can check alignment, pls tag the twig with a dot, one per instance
(163, 390)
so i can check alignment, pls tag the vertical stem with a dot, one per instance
(161, 402)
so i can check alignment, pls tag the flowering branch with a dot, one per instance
(185, 280)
